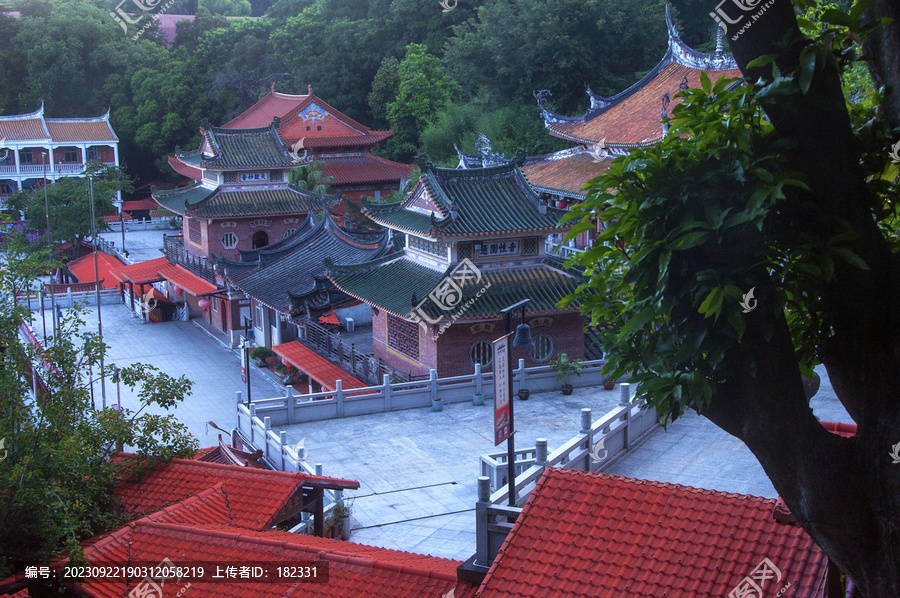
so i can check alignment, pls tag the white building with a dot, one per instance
(33, 148)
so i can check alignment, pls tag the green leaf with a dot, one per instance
(807, 69)
(705, 83)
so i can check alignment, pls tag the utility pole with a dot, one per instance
(49, 243)
(97, 279)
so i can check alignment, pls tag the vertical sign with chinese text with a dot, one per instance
(502, 429)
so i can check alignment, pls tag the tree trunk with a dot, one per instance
(844, 492)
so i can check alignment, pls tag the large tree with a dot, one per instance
(782, 187)
(56, 472)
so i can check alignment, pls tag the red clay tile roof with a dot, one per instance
(565, 173)
(117, 217)
(353, 570)
(83, 269)
(316, 367)
(262, 112)
(22, 127)
(139, 204)
(336, 141)
(580, 532)
(365, 168)
(80, 129)
(636, 120)
(256, 497)
(159, 269)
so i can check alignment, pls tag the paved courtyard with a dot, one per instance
(417, 469)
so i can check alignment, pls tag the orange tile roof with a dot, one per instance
(262, 112)
(636, 119)
(566, 174)
(162, 269)
(80, 129)
(353, 570)
(257, 498)
(83, 269)
(139, 204)
(117, 217)
(316, 367)
(582, 531)
(23, 129)
(365, 168)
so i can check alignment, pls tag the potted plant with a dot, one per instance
(261, 354)
(609, 384)
(524, 393)
(565, 367)
(286, 372)
(342, 512)
(437, 404)
(478, 399)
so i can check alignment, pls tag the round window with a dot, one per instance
(481, 352)
(543, 347)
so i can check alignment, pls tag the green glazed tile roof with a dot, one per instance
(238, 149)
(488, 201)
(201, 202)
(391, 283)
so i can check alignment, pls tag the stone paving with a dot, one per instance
(417, 469)
(142, 245)
(694, 452)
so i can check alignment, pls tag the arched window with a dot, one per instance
(260, 239)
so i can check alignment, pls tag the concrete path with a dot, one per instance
(141, 245)
(694, 452)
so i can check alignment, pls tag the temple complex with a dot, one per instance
(474, 244)
(307, 124)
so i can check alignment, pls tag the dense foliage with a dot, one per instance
(56, 476)
(478, 64)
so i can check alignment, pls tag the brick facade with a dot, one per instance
(212, 233)
(450, 355)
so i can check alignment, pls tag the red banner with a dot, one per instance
(502, 428)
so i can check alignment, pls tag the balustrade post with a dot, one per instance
(540, 453)
(482, 556)
(624, 394)
(237, 395)
(339, 397)
(386, 389)
(290, 404)
(432, 384)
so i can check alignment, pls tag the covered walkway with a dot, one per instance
(316, 367)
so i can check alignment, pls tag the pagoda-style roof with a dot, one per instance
(201, 201)
(328, 127)
(397, 284)
(287, 274)
(35, 127)
(476, 202)
(632, 118)
(363, 167)
(566, 172)
(240, 149)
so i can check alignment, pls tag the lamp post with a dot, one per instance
(49, 243)
(97, 279)
(247, 354)
(522, 339)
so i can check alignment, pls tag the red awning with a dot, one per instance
(83, 269)
(316, 367)
(329, 318)
(162, 269)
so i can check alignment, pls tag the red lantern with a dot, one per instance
(562, 204)
(204, 304)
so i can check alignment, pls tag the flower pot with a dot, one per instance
(524, 393)
(478, 399)
(261, 363)
(345, 528)
(437, 405)
(609, 384)
(567, 389)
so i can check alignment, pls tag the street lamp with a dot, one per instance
(247, 354)
(49, 243)
(522, 339)
(97, 279)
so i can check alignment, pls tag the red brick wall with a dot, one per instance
(393, 358)
(454, 345)
(212, 234)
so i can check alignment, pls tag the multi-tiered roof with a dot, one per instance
(289, 276)
(457, 214)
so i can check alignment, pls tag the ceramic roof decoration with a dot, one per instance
(632, 118)
(290, 274)
(477, 202)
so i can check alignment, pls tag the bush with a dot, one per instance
(261, 353)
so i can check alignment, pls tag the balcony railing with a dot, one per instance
(173, 248)
(52, 169)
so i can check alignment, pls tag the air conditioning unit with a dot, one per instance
(350, 325)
